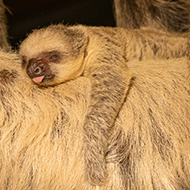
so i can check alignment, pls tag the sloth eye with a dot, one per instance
(54, 56)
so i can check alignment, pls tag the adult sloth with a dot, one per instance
(41, 130)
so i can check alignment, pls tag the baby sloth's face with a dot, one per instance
(39, 69)
(52, 67)
(54, 54)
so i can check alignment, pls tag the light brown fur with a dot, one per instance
(41, 131)
(144, 43)
(172, 16)
(154, 153)
(3, 28)
(61, 53)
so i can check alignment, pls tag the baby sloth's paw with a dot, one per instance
(96, 171)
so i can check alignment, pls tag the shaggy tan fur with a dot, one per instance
(3, 28)
(41, 131)
(38, 129)
(144, 43)
(154, 153)
(60, 53)
(161, 14)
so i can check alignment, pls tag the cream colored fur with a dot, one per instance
(41, 131)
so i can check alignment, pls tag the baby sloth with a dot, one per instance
(61, 53)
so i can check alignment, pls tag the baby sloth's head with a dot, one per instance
(54, 54)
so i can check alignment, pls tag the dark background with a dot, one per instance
(31, 14)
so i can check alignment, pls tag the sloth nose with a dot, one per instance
(35, 69)
(38, 70)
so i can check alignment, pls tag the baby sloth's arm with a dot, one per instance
(57, 54)
(109, 86)
(110, 78)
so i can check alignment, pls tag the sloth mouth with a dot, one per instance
(39, 72)
(43, 78)
(38, 79)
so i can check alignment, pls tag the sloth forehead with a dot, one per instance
(33, 47)
(45, 40)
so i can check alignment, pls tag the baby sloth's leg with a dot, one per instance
(109, 87)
